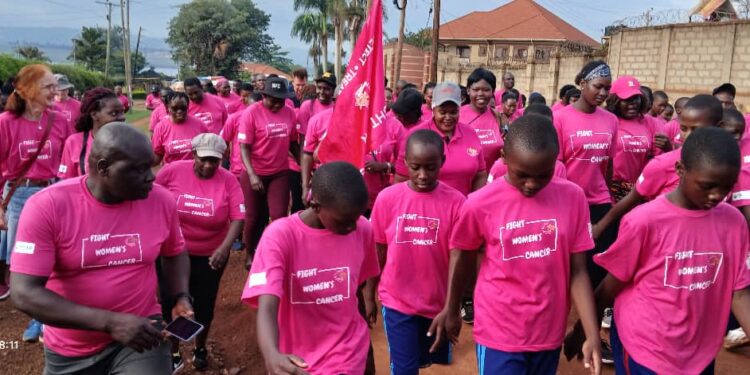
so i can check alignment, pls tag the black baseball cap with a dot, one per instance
(328, 78)
(408, 101)
(277, 87)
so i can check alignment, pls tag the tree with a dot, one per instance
(213, 36)
(307, 27)
(319, 10)
(743, 8)
(31, 53)
(421, 38)
(400, 43)
(90, 50)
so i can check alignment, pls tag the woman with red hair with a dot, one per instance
(31, 140)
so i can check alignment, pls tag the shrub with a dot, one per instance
(80, 77)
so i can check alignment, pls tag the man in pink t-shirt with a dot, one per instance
(412, 223)
(93, 282)
(535, 260)
(153, 99)
(680, 262)
(207, 108)
(232, 102)
(66, 105)
(305, 277)
(324, 87)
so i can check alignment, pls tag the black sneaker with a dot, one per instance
(200, 359)
(177, 363)
(607, 358)
(467, 311)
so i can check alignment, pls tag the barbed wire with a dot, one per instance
(667, 17)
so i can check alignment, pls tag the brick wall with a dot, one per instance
(686, 59)
(412, 64)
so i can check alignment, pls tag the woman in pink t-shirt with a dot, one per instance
(638, 139)
(429, 87)
(480, 116)
(305, 277)
(212, 210)
(28, 116)
(100, 106)
(173, 135)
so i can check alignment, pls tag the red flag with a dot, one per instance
(356, 125)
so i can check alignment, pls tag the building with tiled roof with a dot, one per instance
(257, 68)
(515, 31)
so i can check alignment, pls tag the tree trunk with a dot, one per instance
(339, 44)
(324, 42)
(400, 44)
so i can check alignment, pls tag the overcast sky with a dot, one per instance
(154, 15)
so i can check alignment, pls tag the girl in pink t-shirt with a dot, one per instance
(174, 134)
(480, 116)
(412, 223)
(681, 261)
(100, 106)
(638, 137)
(536, 232)
(305, 277)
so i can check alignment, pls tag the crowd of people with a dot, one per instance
(482, 206)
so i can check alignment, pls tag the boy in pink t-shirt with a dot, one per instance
(500, 168)
(304, 279)
(681, 261)
(412, 222)
(207, 108)
(535, 263)
(173, 135)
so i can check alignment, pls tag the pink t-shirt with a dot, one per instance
(586, 147)
(269, 136)
(524, 279)
(157, 116)
(659, 176)
(426, 113)
(315, 274)
(230, 133)
(488, 130)
(20, 138)
(307, 110)
(499, 169)
(417, 229)
(71, 109)
(232, 103)
(557, 106)
(174, 141)
(125, 102)
(316, 131)
(740, 194)
(745, 151)
(672, 131)
(680, 268)
(634, 147)
(210, 111)
(70, 163)
(206, 206)
(463, 156)
(153, 101)
(94, 254)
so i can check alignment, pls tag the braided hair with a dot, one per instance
(92, 101)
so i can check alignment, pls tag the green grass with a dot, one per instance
(136, 114)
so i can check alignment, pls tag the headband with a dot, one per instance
(599, 72)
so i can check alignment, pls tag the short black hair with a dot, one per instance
(591, 65)
(538, 109)
(681, 102)
(247, 87)
(482, 74)
(339, 184)
(426, 137)
(661, 94)
(427, 86)
(192, 82)
(710, 147)
(508, 95)
(564, 90)
(534, 133)
(648, 93)
(727, 88)
(733, 115)
(409, 86)
(705, 102)
(257, 97)
(174, 95)
(572, 93)
(537, 98)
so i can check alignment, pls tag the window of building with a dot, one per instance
(522, 53)
(482, 51)
(464, 51)
(501, 52)
(541, 54)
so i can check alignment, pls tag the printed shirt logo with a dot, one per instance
(741, 195)
(417, 230)
(746, 159)
(196, 206)
(63, 168)
(635, 143)
(692, 270)
(320, 286)
(471, 151)
(257, 279)
(28, 148)
(24, 247)
(206, 117)
(180, 146)
(486, 136)
(277, 130)
(523, 239)
(361, 97)
(590, 146)
(111, 250)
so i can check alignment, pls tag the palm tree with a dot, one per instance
(31, 53)
(356, 14)
(321, 8)
(307, 27)
(400, 43)
(338, 10)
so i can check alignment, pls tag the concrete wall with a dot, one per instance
(412, 64)
(686, 59)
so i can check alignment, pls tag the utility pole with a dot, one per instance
(137, 45)
(400, 43)
(109, 35)
(435, 40)
(125, 12)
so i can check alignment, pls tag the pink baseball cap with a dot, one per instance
(626, 87)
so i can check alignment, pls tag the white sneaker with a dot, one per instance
(607, 319)
(735, 338)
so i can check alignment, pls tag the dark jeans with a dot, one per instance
(295, 188)
(204, 287)
(608, 237)
(273, 202)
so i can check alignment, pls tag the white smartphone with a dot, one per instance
(184, 328)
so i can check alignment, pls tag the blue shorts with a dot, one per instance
(497, 362)
(408, 343)
(624, 363)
